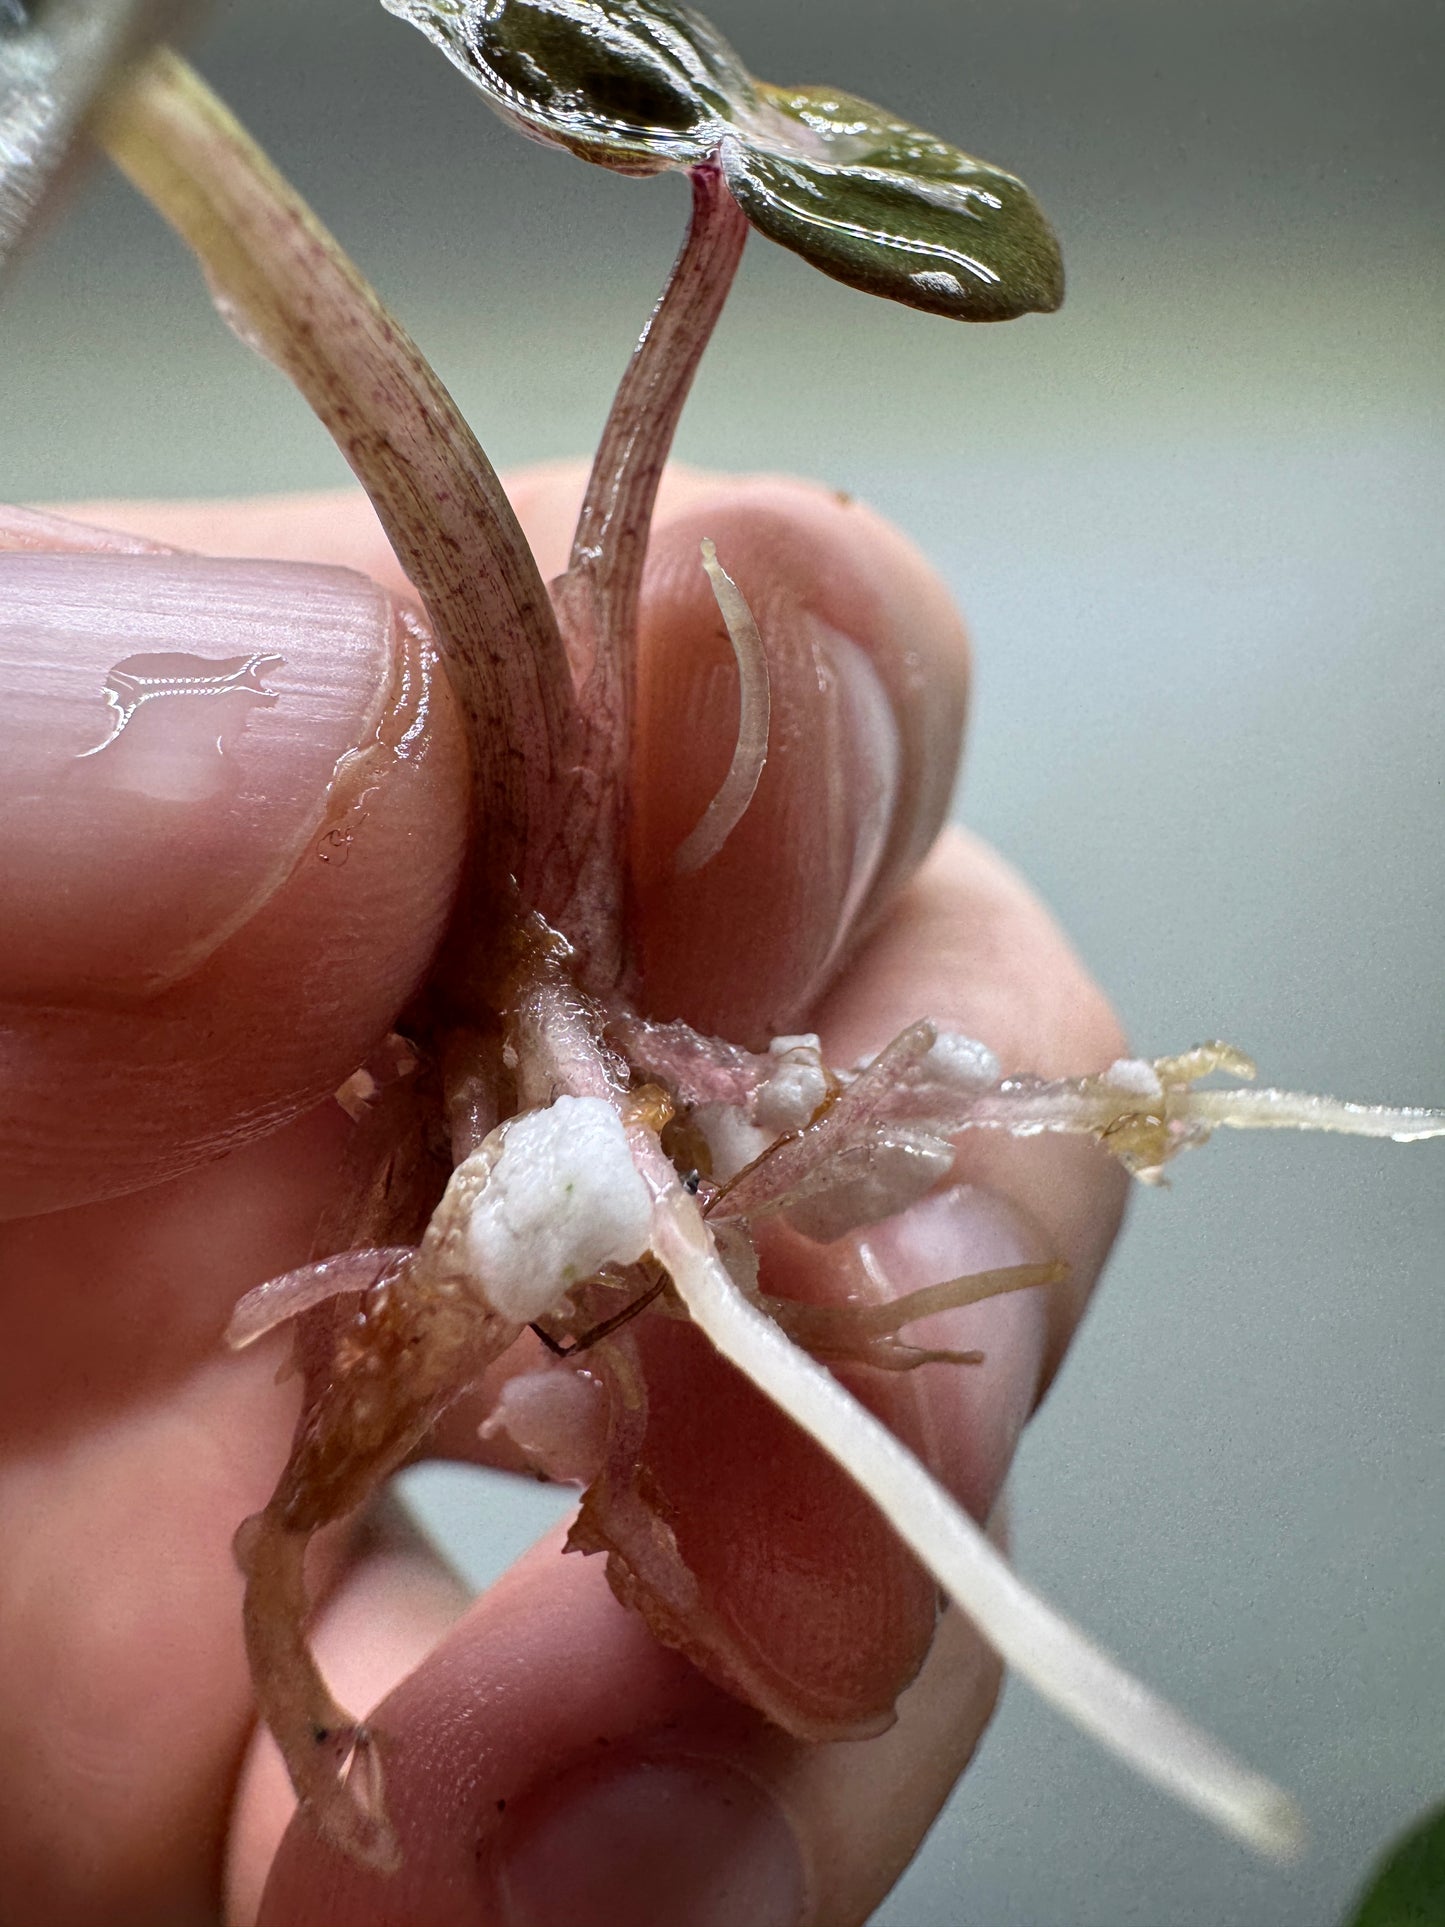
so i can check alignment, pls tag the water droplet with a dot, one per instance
(172, 716)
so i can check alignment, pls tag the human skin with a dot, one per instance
(548, 1762)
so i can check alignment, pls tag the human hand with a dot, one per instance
(187, 977)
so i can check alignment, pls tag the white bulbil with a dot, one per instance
(1133, 1077)
(562, 1199)
(788, 1099)
(732, 1141)
(807, 1040)
(963, 1062)
(557, 1419)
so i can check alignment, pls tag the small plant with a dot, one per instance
(600, 1166)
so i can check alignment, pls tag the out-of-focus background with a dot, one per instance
(1196, 522)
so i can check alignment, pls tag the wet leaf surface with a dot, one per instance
(638, 86)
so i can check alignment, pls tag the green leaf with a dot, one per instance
(640, 85)
(1409, 1888)
(635, 85)
(893, 210)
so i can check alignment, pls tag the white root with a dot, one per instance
(1271, 1110)
(1146, 1132)
(1029, 1108)
(1038, 1643)
(728, 807)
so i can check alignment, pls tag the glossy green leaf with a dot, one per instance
(1409, 1888)
(634, 85)
(639, 85)
(893, 210)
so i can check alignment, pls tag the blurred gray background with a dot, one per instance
(1195, 521)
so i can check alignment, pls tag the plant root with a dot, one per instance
(335, 1762)
(868, 1334)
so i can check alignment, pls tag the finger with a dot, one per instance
(869, 672)
(132, 1445)
(568, 1804)
(869, 669)
(525, 1798)
(625, 1775)
(235, 798)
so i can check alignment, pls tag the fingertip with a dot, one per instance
(550, 1766)
(544, 1671)
(868, 666)
(238, 812)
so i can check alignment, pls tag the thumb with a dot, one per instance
(234, 799)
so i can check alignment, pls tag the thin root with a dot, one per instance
(868, 1334)
(335, 1763)
(729, 806)
(1029, 1635)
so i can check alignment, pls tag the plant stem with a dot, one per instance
(288, 287)
(598, 597)
(611, 537)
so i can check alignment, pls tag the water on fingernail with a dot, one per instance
(402, 727)
(175, 734)
(172, 719)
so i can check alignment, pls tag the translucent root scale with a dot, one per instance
(730, 804)
(294, 1292)
(1038, 1643)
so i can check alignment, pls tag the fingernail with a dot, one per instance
(972, 1415)
(866, 768)
(689, 1842)
(171, 733)
(770, 914)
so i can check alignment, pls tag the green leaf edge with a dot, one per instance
(1407, 1888)
(734, 133)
